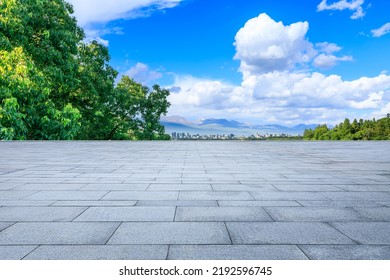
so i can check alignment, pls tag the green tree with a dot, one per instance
(153, 106)
(54, 86)
(95, 93)
(12, 124)
(362, 130)
(308, 134)
(125, 109)
(49, 36)
(137, 110)
(26, 110)
(38, 44)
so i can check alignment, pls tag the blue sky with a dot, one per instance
(256, 61)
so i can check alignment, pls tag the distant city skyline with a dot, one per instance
(285, 62)
(256, 136)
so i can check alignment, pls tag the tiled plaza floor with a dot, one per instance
(195, 200)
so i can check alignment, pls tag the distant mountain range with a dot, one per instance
(223, 126)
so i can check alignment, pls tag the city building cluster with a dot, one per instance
(257, 136)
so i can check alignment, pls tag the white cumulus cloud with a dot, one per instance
(264, 45)
(142, 74)
(383, 30)
(353, 5)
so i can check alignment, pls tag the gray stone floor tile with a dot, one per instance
(381, 214)
(50, 187)
(307, 188)
(242, 187)
(285, 233)
(115, 187)
(70, 233)
(96, 203)
(179, 187)
(141, 195)
(288, 196)
(121, 214)
(235, 252)
(18, 203)
(99, 252)
(257, 203)
(288, 179)
(313, 214)
(40, 214)
(375, 233)
(203, 203)
(67, 195)
(339, 203)
(15, 252)
(365, 188)
(83, 181)
(191, 195)
(171, 233)
(369, 196)
(212, 214)
(11, 194)
(346, 252)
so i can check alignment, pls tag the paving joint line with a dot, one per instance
(30, 251)
(80, 214)
(231, 240)
(330, 224)
(120, 223)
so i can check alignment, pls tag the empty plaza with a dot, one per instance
(195, 200)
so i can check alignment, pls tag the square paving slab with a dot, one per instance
(171, 233)
(346, 252)
(194, 200)
(285, 233)
(235, 252)
(99, 252)
(366, 232)
(210, 214)
(313, 214)
(40, 214)
(121, 214)
(57, 233)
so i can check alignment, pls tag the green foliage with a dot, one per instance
(137, 110)
(358, 130)
(153, 104)
(11, 120)
(95, 92)
(54, 86)
(49, 36)
(26, 110)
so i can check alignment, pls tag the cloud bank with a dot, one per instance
(278, 83)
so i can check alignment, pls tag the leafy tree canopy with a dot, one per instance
(357, 130)
(53, 85)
